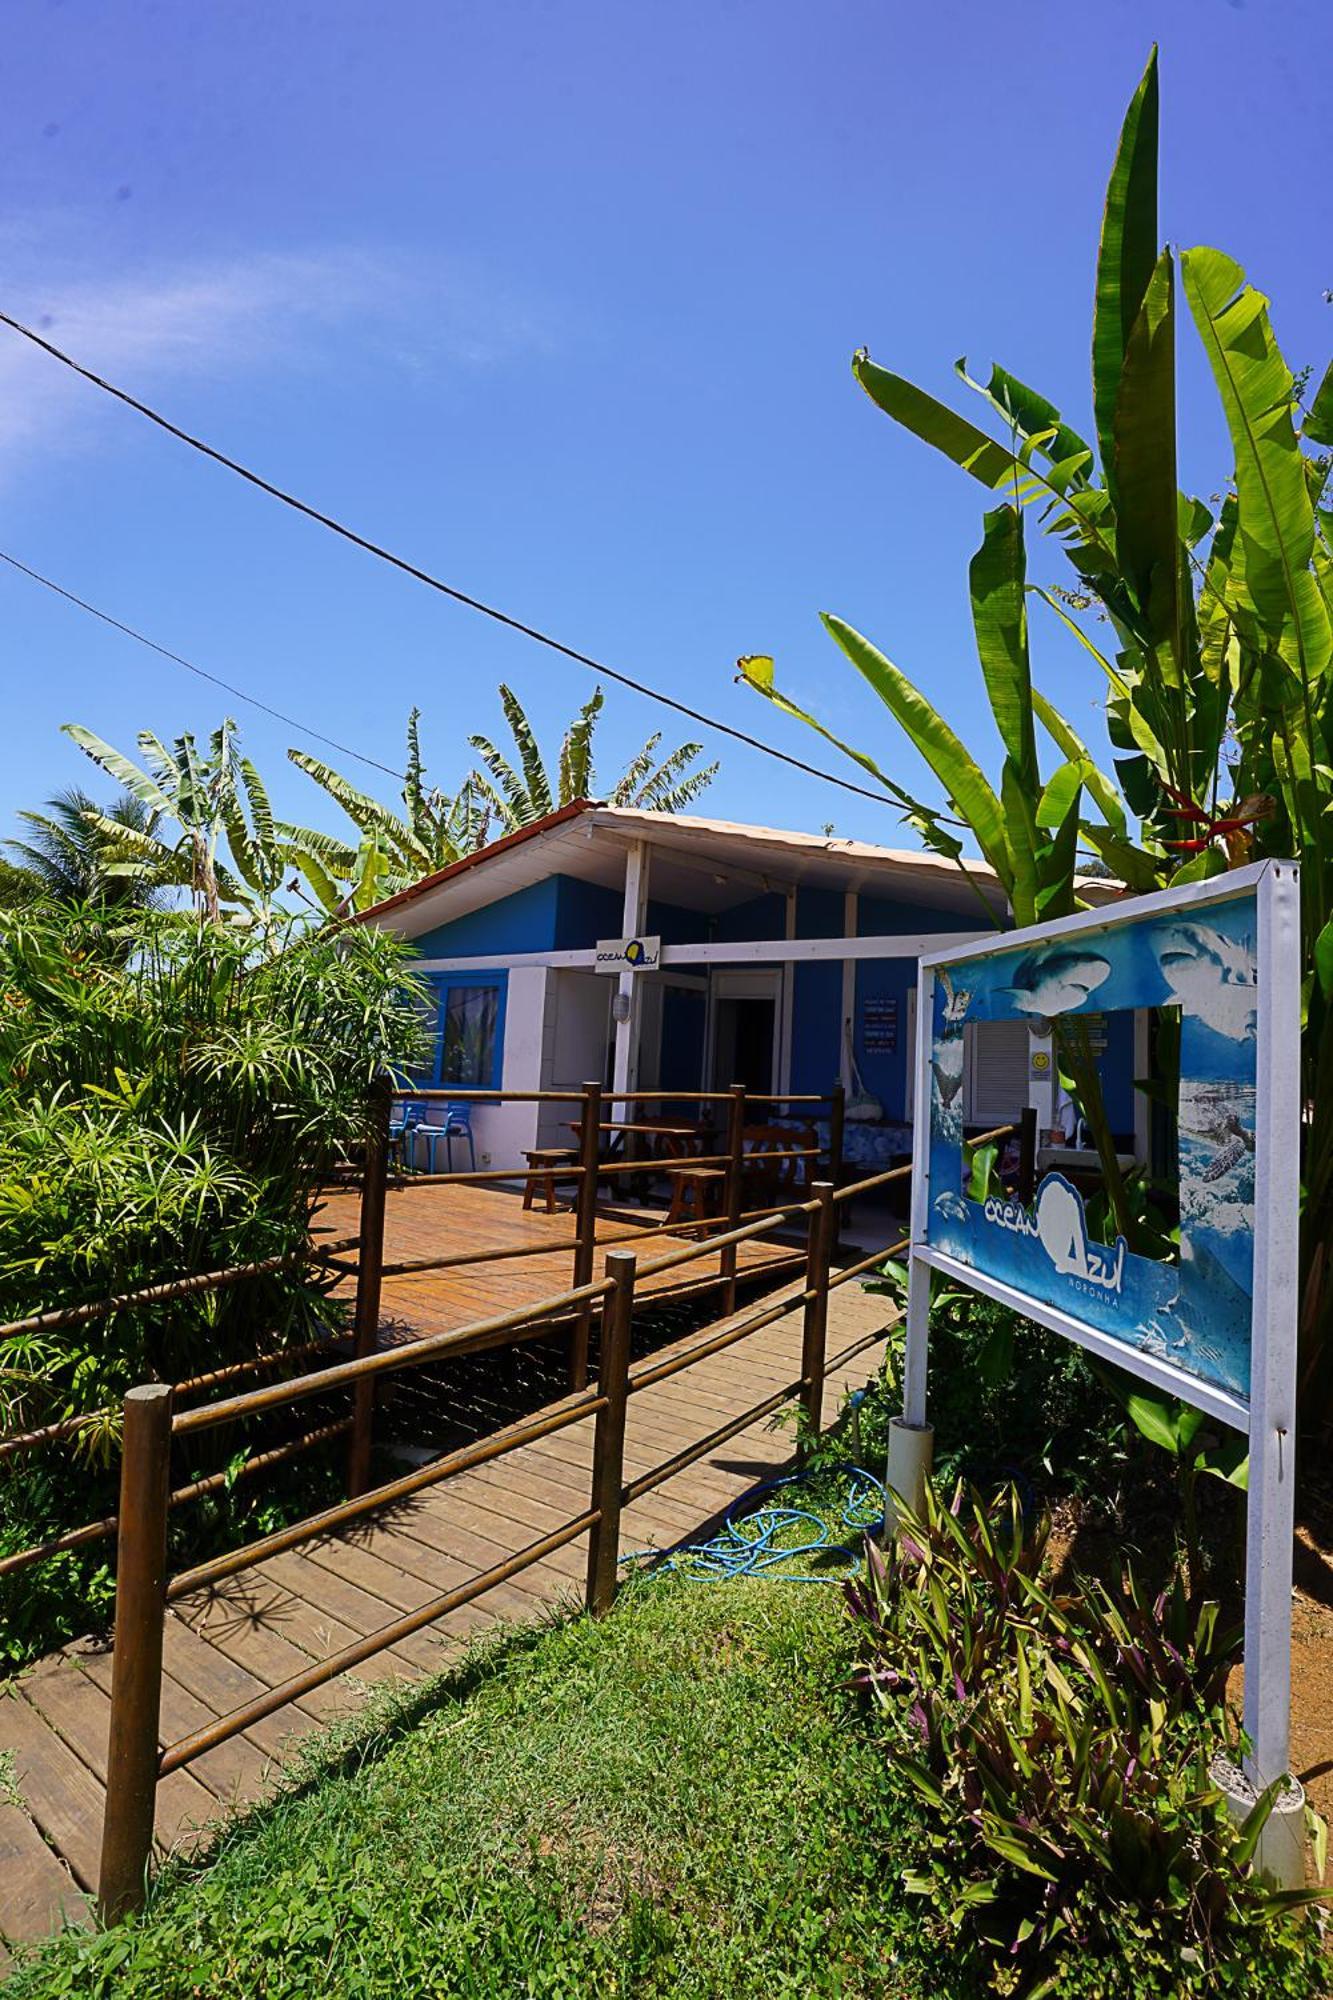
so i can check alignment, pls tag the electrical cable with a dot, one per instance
(302, 728)
(754, 1544)
(424, 576)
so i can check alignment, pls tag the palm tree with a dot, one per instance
(395, 849)
(519, 796)
(71, 853)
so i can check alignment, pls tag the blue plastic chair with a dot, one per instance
(401, 1130)
(457, 1124)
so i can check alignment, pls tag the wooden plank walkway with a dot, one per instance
(453, 1220)
(227, 1645)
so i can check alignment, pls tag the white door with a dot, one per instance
(576, 1041)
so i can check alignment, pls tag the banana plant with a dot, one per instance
(395, 849)
(1210, 631)
(183, 787)
(519, 793)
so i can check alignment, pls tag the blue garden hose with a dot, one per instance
(750, 1546)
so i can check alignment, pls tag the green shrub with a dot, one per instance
(1062, 1748)
(171, 1096)
(1008, 1399)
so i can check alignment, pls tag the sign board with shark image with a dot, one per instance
(1215, 1325)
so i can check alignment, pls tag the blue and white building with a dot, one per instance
(780, 960)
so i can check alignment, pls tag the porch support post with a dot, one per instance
(625, 1065)
(787, 1023)
(847, 1019)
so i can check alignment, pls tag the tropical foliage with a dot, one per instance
(1062, 1746)
(68, 854)
(206, 797)
(170, 1098)
(394, 849)
(435, 828)
(519, 795)
(1210, 630)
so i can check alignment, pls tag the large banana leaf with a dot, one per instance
(1098, 785)
(365, 813)
(1275, 513)
(121, 768)
(756, 670)
(1319, 424)
(529, 753)
(1147, 500)
(1032, 416)
(936, 423)
(1125, 258)
(998, 578)
(962, 777)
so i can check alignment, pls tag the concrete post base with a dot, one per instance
(1280, 1855)
(911, 1455)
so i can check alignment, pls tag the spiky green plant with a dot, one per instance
(172, 1094)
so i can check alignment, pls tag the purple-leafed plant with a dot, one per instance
(1061, 1744)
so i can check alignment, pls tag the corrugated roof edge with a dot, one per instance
(848, 849)
(500, 846)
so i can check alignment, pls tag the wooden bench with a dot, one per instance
(544, 1165)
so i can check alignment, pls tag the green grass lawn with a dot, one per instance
(679, 1801)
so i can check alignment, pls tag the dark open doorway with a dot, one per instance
(743, 1044)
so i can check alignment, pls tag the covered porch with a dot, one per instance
(667, 955)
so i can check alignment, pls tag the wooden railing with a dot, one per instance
(589, 1168)
(157, 1414)
(144, 1589)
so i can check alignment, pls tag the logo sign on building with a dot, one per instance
(1195, 1291)
(634, 954)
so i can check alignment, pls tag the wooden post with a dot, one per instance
(608, 1451)
(1027, 1153)
(369, 1276)
(836, 1130)
(735, 1192)
(136, 1670)
(837, 1127)
(819, 1252)
(585, 1227)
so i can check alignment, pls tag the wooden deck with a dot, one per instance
(454, 1220)
(226, 1645)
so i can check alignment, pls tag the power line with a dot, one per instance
(302, 729)
(411, 569)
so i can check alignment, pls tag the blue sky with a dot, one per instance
(558, 300)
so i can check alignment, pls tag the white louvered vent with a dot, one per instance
(997, 1060)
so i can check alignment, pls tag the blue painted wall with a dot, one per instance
(1115, 1066)
(760, 917)
(525, 921)
(885, 1075)
(816, 995)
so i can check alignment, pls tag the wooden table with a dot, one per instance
(673, 1142)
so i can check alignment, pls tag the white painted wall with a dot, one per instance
(577, 1028)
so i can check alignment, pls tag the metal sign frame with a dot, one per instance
(1268, 1415)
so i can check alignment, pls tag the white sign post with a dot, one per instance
(1218, 1329)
